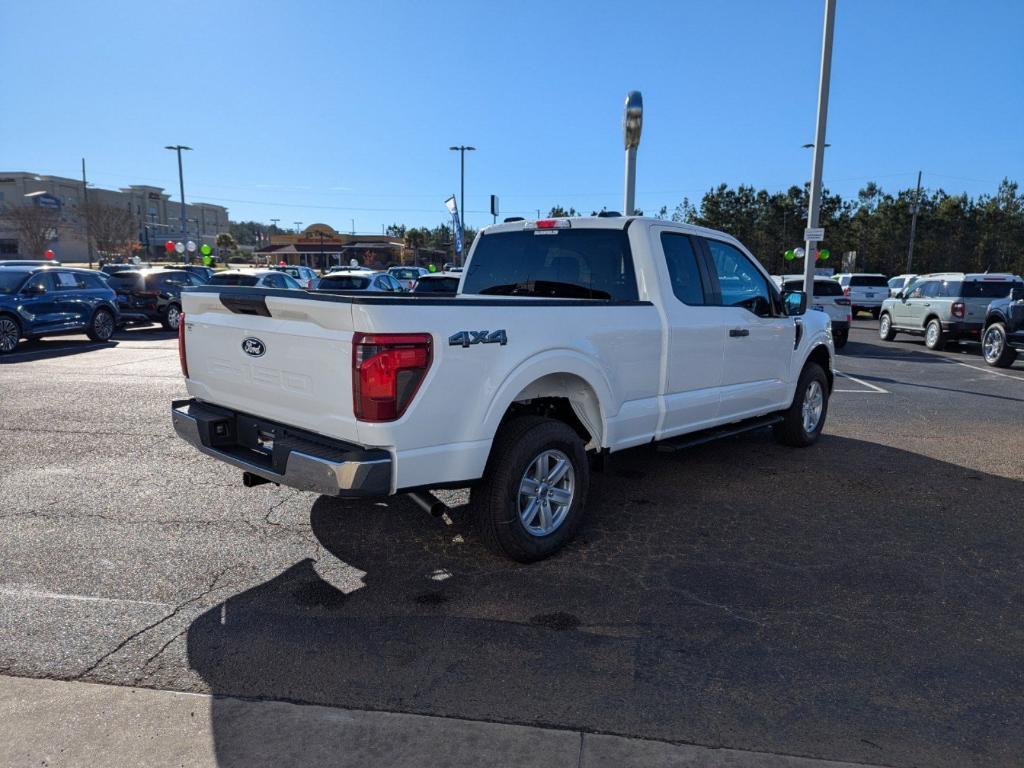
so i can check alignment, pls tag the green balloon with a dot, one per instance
(790, 255)
(432, 268)
(205, 249)
(823, 254)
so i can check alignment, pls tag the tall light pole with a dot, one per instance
(632, 122)
(811, 246)
(181, 182)
(913, 222)
(462, 150)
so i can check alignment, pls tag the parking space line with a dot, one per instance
(34, 594)
(872, 389)
(986, 370)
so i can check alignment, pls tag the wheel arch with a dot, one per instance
(819, 354)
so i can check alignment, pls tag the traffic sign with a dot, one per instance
(814, 234)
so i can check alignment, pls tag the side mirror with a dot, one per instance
(794, 303)
(899, 294)
(1017, 294)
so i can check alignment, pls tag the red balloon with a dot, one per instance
(48, 254)
(281, 264)
(169, 246)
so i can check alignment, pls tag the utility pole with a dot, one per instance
(913, 222)
(353, 226)
(85, 200)
(811, 246)
(181, 182)
(462, 150)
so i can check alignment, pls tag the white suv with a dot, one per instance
(828, 298)
(866, 290)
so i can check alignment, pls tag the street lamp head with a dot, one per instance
(633, 119)
(808, 146)
(454, 149)
(176, 147)
(471, 149)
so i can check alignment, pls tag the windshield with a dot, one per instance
(557, 263)
(437, 285)
(344, 282)
(405, 274)
(10, 281)
(234, 280)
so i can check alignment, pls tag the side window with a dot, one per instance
(740, 282)
(918, 290)
(682, 268)
(381, 284)
(67, 281)
(931, 289)
(43, 279)
(395, 285)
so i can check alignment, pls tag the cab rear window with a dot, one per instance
(560, 263)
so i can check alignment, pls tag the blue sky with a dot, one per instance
(334, 111)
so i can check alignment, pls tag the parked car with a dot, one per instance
(48, 301)
(828, 298)
(152, 295)
(944, 307)
(254, 278)
(196, 269)
(1003, 334)
(349, 268)
(438, 283)
(361, 280)
(306, 278)
(899, 284)
(865, 290)
(407, 276)
(601, 335)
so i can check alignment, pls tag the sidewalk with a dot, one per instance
(54, 723)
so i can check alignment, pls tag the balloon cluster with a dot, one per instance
(798, 253)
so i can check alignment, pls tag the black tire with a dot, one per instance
(10, 333)
(876, 312)
(521, 445)
(839, 338)
(934, 337)
(171, 317)
(885, 329)
(994, 347)
(102, 325)
(793, 429)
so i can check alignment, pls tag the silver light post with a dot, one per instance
(913, 223)
(181, 182)
(462, 150)
(632, 123)
(811, 246)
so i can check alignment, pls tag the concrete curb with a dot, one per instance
(58, 723)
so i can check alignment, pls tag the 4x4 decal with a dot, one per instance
(468, 338)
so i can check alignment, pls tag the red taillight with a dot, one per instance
(387, 370)
(182, 357)
(552, 224)
(846, 291)
(959, 309)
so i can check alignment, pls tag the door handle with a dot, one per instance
(737, 332)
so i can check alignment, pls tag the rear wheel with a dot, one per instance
(885, 330)
(934, 338)
(531, 500)
(101, 328)
(10, 333)
(171, 318)
(995, 349)
(805, 418)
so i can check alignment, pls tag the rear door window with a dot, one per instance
(125, 281)
(683, 270)
(555, 263)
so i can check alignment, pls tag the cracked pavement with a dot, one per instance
(708, 599)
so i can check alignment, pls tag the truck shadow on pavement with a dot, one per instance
(712, 597)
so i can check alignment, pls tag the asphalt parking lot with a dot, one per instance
(861, 600)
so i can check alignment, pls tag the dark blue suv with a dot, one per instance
(46, 301)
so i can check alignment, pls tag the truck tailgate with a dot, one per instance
(281, 358)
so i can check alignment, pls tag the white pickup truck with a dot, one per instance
(567, 337)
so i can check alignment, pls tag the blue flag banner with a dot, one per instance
(453, 209)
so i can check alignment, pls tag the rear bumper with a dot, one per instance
(957, 329)
(289, 457)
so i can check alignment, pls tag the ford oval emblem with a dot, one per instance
(253, 347)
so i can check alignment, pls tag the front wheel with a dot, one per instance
(532, 497)
(885, 331)
(10, 334)
(805, 418)
(994, 348)
(934, 338)
(101, 328)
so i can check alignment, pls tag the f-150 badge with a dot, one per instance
(469, 338)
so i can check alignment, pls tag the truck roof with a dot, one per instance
(606, 222)
(997, 277)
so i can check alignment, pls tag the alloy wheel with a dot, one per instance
(992, 345)
(814, 403)
(9, 334)
(546, 492)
